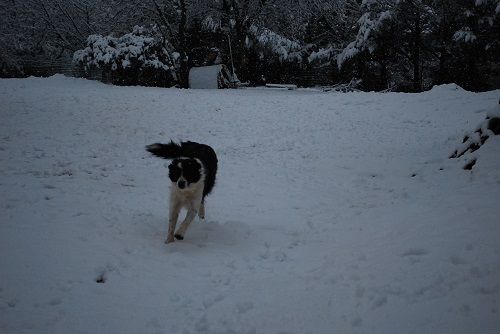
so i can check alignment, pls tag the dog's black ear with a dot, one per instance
(174, 172)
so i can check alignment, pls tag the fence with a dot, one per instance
(39, 68)
(309, 77)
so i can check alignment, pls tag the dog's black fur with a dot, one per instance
(185, 154)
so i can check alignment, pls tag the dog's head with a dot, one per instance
(185, 172)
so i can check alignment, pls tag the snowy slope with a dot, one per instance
(333, 213)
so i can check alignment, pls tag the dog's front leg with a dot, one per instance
(175, 208)
(191, 214)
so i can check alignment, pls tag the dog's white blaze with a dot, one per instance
(182, 178)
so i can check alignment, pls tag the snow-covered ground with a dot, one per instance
(333, 213)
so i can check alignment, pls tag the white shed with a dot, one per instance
(211, 77)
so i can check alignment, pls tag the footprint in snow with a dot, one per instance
(356, 322)
(209, 302)
(457, 260)
(414, 255)
(244, 307)
(55, 301)
(415, 252)
(380, 301)
(202, 325)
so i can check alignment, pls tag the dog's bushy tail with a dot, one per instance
(166, 151)
(186, 149)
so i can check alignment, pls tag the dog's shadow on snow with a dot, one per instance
(203, 235)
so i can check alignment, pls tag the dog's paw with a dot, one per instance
(169, 239)
(179, 237)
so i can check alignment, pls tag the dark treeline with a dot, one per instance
(401, 45)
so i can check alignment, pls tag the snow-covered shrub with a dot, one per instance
(474, 140)
(273, 45)
(464, 35)
(370, 25)
(140, 57)
(321, 56)
(274, 57)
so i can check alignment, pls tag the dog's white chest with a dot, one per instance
(186, 197)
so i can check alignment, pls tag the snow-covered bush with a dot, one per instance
(273, 45)
(274, 57)
(370, 25)
(464, 35)
(140, 57)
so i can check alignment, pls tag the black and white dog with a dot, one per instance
(192, 173)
